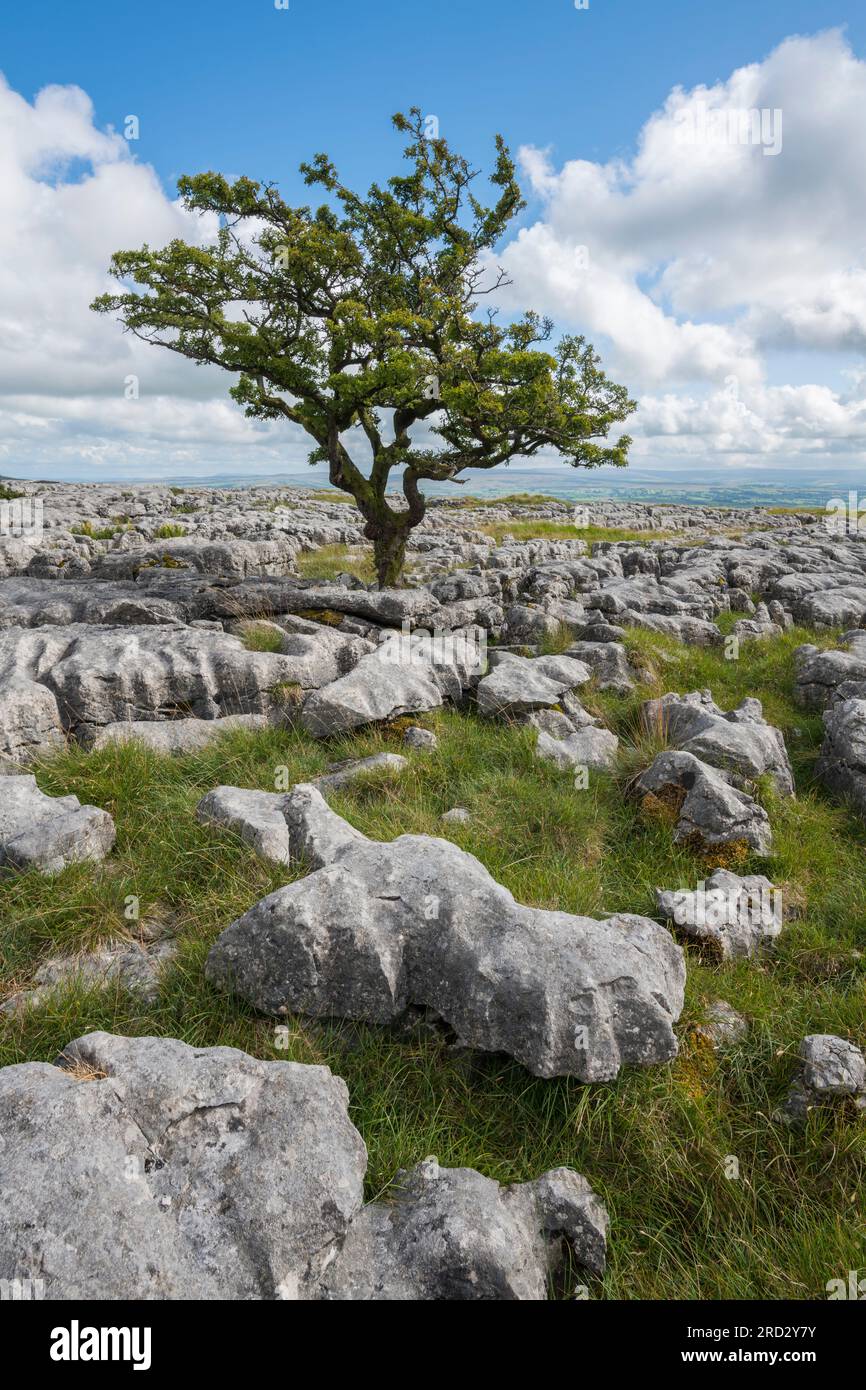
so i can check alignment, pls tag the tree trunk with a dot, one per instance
(389, 553)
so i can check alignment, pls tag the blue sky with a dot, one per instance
(744, 343)
(239, 86)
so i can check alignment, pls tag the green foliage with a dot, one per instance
(330, 317)
(169, 531)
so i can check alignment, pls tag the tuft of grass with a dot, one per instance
(330, 560)
(94, 533)
(169, 531)
(556, 642)
(262, 637)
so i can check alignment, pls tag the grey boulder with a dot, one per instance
(141, 1168)
(818, 672)
(130, 965)
(589, 747)
(48, 832)
(174, 736)
(377, 927)
(608, 662)
(707, 810)
(452, 1234)
(841, 765)
(518, 685)
(738, 916)
(255, 816)
(379, 688)
(415, 737)
(740, 740)
(829, 1069)
(343, 774)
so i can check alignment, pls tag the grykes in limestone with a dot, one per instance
(77, 1343)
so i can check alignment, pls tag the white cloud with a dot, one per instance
(724, 284)
(706, 258)
(71, 195)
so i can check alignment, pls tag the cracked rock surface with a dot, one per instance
(377, 927)
(518, 685)
(142, 1168)
(820, 673)
(841, 765)
(59, 680)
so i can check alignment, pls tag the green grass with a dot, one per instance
(262, 637)
(95, 533)
(653, 1143)
(328, 494)
(556, 642)
(9, 494)
(328, 561)
(512, 499)
(567, 531)
(169, 531)
(795, 511)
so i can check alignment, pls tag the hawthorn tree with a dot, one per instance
(359, 321)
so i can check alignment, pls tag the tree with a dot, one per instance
(361, 319)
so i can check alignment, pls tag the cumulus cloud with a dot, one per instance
(70, 195)
(734, 235)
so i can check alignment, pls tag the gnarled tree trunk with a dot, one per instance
(389, 539)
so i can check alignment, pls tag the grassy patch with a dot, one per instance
(530, 530)
(262, 637)
(169, 531)
(655, 1143)
(328, 561)
(513, 499)
(94, 533)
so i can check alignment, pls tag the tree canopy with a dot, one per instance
(368, 313)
